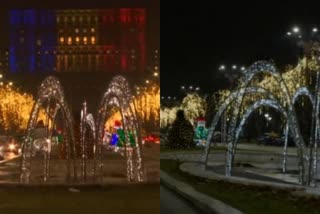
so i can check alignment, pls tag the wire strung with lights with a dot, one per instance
(236, 100)
(50, 97)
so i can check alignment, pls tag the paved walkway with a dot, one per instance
(171, 203)
(200, 200)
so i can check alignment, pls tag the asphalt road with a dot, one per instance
(170, 203)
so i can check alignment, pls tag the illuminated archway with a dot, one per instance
(51, 98)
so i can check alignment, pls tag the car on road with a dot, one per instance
(273, 139)
(9, 144)
(152, 138)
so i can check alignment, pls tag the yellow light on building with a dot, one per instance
(85, 40)
(92, 30)
(69, 40)
(77, 39)
(61, 39)
(10, 83)
(1, 83)
(1, 76)
(155, 74)
(93, 40)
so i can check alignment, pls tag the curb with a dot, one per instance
(200, 200)
(294, 188)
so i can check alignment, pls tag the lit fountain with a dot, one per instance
(306, 160)
(87, 124)
(118, 95)
(50, 98)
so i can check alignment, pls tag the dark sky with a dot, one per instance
(196, 39)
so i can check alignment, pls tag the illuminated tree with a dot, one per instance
(193, 105)
(147, 104)
(15, 108)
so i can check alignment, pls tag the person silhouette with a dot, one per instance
(181, 133)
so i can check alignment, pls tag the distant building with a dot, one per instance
(102, 40)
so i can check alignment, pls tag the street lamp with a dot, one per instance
(295, 29)
(268, 118)
(306, 41)
(231, 74)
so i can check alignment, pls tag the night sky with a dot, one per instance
(195, 40)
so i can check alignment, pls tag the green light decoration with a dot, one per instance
(122, 137)
(201, 132)
(132, 139)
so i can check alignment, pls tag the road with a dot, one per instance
(170, 203)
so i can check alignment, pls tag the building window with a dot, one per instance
(77, 30)
(77, 39)
(85, 40)
(21, 40)
(93, 40)
(39, 42)
(61, 40)
(84, 30)
(92, 30)
(69, 40)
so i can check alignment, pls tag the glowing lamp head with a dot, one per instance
(295, 30)
(222, 67)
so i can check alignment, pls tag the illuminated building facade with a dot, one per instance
(32, 40)
(103, 40)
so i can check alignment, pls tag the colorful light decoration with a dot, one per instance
(201, 132)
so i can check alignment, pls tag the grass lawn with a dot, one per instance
(218, 148)
(140, 199)
(248, 199)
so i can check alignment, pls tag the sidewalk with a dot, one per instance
(202, 201)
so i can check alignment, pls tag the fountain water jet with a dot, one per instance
(50, 97)
(118, 95)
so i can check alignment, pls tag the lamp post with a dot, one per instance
(306, 40)
(232, 73)
(309, 42)
(189, 89)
